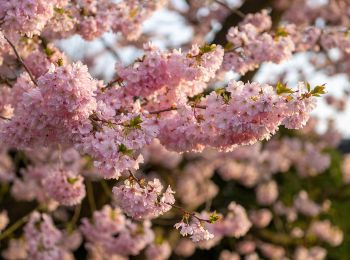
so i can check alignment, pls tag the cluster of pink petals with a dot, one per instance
(234, 224)
(144, 201)
(305, 205)
(115, 145)
(336, 38)
(194, 185)
(315, 253)
(39, 62)
(195, 230)
(64, 186)
(27, 17)
(271, 251)
(251, 45)
(30, 187)
(267, 193)
(252, 112)
(325, 231)
(131, 14)
(90, 19)
(260, 218)
(116, 234)
(53, 112)
(42, 238)
(171, 71)
(158, 251)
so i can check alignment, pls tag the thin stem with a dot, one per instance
(106, 189)
(5, 118)
(191, 214)
(235, 11)
(163, 110)
(117, 80)
(14, 227)
(76, 215)
(21, 61)
(173, 108)
(132, 176)
(90, 195)
(110, 49)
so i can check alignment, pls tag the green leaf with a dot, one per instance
(283, 89)
(318, 90)
(124, 150)
(308, 87)
(60, 62)
(196, 98)
(281, 32)
(207, 48)
(228, 46)
(214, 217)
(135, 122)
(48, 52)
(59, 10)
(224, 94)
(72, 180)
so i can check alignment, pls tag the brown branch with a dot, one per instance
(110, 49)
(172, 109)
(5, 118)
(235, 11)
(21, 61)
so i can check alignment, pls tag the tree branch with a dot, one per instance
(21, 61)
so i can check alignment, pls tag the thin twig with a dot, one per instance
(16, 225)
(21, 61)
(90, 195)
(235, 11)
(76, 215)
(173, 108)
(106, 189)
(5, 118)
(110, 49)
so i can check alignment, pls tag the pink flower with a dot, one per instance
(145, 201)
(195, 230)
(42, 237)
(65, 187)
(116, 234)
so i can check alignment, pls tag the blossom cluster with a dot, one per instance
(63, 18)
(139, 164)
(144, 201)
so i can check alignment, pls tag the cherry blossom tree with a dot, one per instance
(182, 149)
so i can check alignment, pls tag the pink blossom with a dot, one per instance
(195, 230)
(158, 251)
(144, 201)
(313, 253)
(116, 234)
(65, 187)
(267, 193)
(42, 238)
(324, 231)
(185, 247)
